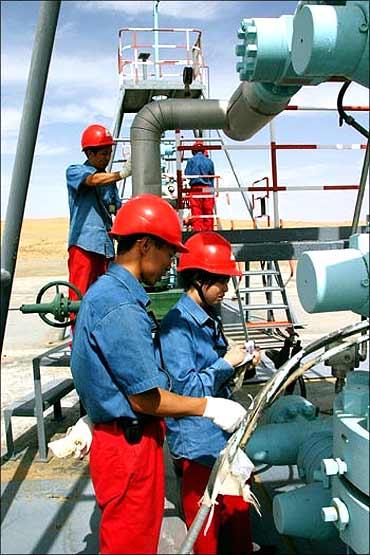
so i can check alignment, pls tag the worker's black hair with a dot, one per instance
(93, 149)
(191, 278)
(126, 243)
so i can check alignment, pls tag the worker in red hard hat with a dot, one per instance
(124, 388)
(93, 199)
(203, 363)
(201, 194)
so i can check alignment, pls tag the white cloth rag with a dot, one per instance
(231, 479)
(76, 442)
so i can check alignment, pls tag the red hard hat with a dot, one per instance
(96, 135)
(209, 251)
(197, 147)
(152, 215)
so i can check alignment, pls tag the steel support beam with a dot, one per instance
(284, 244)
(41, 55)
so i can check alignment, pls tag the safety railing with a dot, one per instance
(260, 189)
(173, 49)
(260, 202)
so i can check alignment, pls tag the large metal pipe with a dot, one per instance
(254, 105)
(41, 55)
(250, 108)
(157, 117)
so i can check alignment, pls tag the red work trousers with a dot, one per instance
(230, 524)
(84, 268)
(128, 480)
(201, 206)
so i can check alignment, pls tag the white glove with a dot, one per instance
(126, 170)
(77, 440)
(224, 413)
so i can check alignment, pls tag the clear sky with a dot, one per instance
(83, 88)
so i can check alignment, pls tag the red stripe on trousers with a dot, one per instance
(129, 486)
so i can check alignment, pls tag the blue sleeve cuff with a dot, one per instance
(223, 365)
(144, 386)
(223, 371)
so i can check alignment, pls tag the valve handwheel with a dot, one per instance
(62, 306)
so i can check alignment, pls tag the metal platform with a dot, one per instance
(136, 96)
(55, 503)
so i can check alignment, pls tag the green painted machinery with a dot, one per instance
(60, 311)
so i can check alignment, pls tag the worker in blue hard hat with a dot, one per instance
(201, 193)
(196, 356)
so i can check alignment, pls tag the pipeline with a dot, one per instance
(157, 117)
(274, 387)
(250, 108)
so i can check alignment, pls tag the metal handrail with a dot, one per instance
(129, 55)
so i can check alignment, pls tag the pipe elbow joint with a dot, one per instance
(254, 105)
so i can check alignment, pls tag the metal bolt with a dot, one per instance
(240, 50)
(363, 27)
(365, 282)
(309, 411)
(342, 512)
(329, 514)
(251, 50)
(329, 467)
(252, 30)
(245, 23)
(342, 466)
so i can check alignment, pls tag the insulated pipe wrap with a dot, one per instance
(254, 105)
(157, 117)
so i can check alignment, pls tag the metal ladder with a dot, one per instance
(145, 76)
(137, 88)
(268, 331)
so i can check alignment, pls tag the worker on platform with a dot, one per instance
(201, 364)
(201, 194)
(93, 199)
(122, 387)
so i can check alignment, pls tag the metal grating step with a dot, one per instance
(260, 273)
(259, 289)
(263, 324)
(265, 306)
(265, 339)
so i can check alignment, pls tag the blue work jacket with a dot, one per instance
(200, 165)
(193, 347)
(113, 354)
(90, 219)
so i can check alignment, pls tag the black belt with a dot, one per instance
(132, 428)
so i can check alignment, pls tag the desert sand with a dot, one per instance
(42, 258)
(43, 243)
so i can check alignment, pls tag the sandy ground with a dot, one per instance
(43, 243)
(42, 258)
